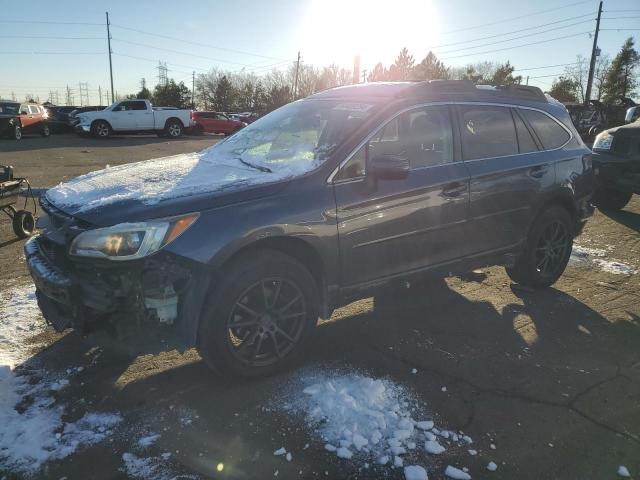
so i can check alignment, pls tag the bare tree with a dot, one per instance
(603, 64)
(579, 74)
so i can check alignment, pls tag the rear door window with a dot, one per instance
(548, 131)
(138, 105)
(33, 109)
(487, 131)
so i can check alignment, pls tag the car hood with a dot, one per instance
(163, 187)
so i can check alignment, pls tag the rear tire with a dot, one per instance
(259, 317)
(23, 224)
(611, 199)
(173, 129)
(546, 251)
(45, 131)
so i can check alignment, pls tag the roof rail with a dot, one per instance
(524, 92)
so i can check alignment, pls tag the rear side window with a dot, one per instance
(549, 132)
(525, 140)
(486, 132)
(33, 109)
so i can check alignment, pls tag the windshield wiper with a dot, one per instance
(257, 167)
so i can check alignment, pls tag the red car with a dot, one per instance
(214, 122)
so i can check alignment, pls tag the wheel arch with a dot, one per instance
(93, 122)
(166, 123)
(562, 198)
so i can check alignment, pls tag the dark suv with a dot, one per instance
(354, 191)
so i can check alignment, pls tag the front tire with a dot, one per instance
(260, 316)
(17, 133)
(546, 251)
(45, 131)
(23, 224)
(101, 129)
(611, 199)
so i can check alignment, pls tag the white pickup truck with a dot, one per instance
(134, 116)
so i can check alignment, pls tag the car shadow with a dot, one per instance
(625, 217)
(530, 346)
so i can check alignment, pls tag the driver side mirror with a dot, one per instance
(390, 167)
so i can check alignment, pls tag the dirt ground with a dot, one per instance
(551, 378)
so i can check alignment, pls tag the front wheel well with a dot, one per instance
(296, 248)
(93, 123)
(564, 201)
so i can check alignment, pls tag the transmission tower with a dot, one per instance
(69, 97)
(163, 71)
(83, 89)
(54, 97)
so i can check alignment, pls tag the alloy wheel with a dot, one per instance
(552, 248)
(266, 322)
(174, 130)
(102, 130)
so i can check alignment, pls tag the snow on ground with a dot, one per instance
(368, 421)
(33, 431)
(596, 257)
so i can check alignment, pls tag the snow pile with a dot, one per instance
(456, 473)
(19, 321)
(32, 431)
(369, 420)
(595, 256)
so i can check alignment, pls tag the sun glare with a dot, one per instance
(334, 31)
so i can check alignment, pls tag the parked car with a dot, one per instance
(595, 117)
(59, 117)
(616, 159)
(352, 192)
(214, 122)
(632, 114)
(18, 119)
(134, 116)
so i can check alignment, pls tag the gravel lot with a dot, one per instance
(550, 378)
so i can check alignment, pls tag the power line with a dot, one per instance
(181, 52)
(619, 29)
(516, 31)
(196, 43)
(517, 46)
(515, 18)
(545, 66)
(51, 23)
(46, 37)
(618, 18)
(50, 53)
(514, 38)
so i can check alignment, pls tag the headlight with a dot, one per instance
(130, 241)
(603, 141)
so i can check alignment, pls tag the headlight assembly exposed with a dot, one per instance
(130, 241)
(603, 141)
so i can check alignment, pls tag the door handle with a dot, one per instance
(539, 171)
(454, 190)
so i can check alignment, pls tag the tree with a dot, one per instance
(622, 79)
(430, 68)
(503, 75)
(578, 73)
(378, 74)
(564, 90)
(402, 68)
(172, 95)
(603, 63)
(224, 98)
(144, 93)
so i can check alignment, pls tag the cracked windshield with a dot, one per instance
(320, 239)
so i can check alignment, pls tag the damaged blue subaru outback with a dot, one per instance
(356, 191)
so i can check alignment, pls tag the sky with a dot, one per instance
(47, 46)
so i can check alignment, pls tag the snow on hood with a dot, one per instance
(152, 181)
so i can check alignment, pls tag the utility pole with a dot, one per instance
(193, 88)
(295, 84)
(527, 79)
(592, 65)
(100, 95)
(110, 52)
(364, 75)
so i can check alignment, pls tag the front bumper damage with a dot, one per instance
(159, 297)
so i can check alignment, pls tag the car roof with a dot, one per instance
(435, 90)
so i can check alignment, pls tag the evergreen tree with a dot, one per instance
(564, 90)
(172, 95)
(622, 78)
(224, 98)
(504, 75)
(402, 68)
(430, 68)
